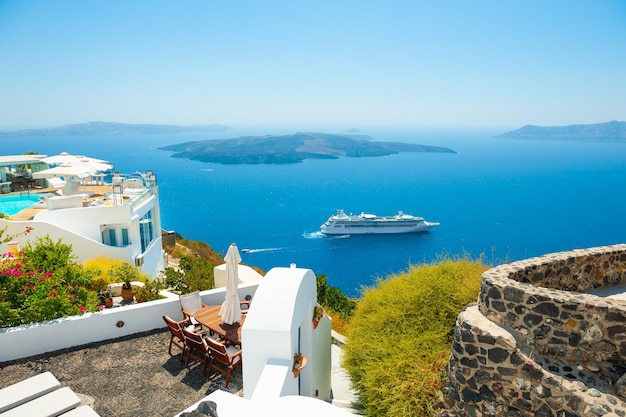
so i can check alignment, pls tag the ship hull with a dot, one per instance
(376, 229)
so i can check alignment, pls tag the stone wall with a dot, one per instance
(536, 343)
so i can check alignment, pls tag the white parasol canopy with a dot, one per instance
(73, 166)
(231, 311)
(66, 158)
(92, 164)
(65, 170)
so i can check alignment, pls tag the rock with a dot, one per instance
(205, 408)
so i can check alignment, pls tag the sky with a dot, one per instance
(328, 63)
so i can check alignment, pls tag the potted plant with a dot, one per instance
(318, 313)
(106, 297)
(126, 273)
(299, 362)
(127, 291)
(149, 292)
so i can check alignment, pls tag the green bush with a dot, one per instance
(332, 298)
(400, 336)
(47, 255)
(193, 274)
(149, 291)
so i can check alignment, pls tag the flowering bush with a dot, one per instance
(43, 283)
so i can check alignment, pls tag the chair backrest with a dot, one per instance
(218, 351)
(194, 341)
(174, 327)
(191, 302)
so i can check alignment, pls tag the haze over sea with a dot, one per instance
(502, 199)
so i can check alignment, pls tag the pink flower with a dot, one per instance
(18, 265)
(82, 309)
(28, 229)
(101, 308)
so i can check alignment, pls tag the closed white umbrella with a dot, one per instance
(231, 311)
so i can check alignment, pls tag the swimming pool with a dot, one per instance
(12, 204)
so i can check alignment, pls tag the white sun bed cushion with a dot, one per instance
(82, 411)
(52, 404)
(27, 390)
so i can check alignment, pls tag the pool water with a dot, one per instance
(12, 204)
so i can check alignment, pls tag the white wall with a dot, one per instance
(86, 221)
(153, 258)
(279, 324)
(29, 340)
(83, 248)
(246, 275)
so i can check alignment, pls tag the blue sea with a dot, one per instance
(499, 199)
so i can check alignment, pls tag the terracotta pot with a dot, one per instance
(297, 367)
(127, 294)
(108, 303)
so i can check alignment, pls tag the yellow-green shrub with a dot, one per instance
(107, 270)
(400, 336)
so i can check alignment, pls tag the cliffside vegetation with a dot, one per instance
(400, 336)
(338, 306)
(191, 266)
(195, 261)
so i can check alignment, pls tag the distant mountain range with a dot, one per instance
(109, 128)
(291, 148)
(601, 132)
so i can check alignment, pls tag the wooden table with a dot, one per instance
(209, 317)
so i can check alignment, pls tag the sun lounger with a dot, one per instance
(82, 411)
(27, 390)
(52, 404)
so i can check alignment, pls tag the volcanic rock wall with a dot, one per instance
(537, 343)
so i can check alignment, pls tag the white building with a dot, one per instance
(119, 220)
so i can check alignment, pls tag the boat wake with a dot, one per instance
(313, 235)
(260, 250)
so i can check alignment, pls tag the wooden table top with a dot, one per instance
(209, 317)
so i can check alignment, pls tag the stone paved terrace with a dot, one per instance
(130, 376)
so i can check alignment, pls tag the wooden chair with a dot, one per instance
(190, 303)
(197, 346)
(229, 358)
(178, 338)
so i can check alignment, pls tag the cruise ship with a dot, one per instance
(343, 224)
